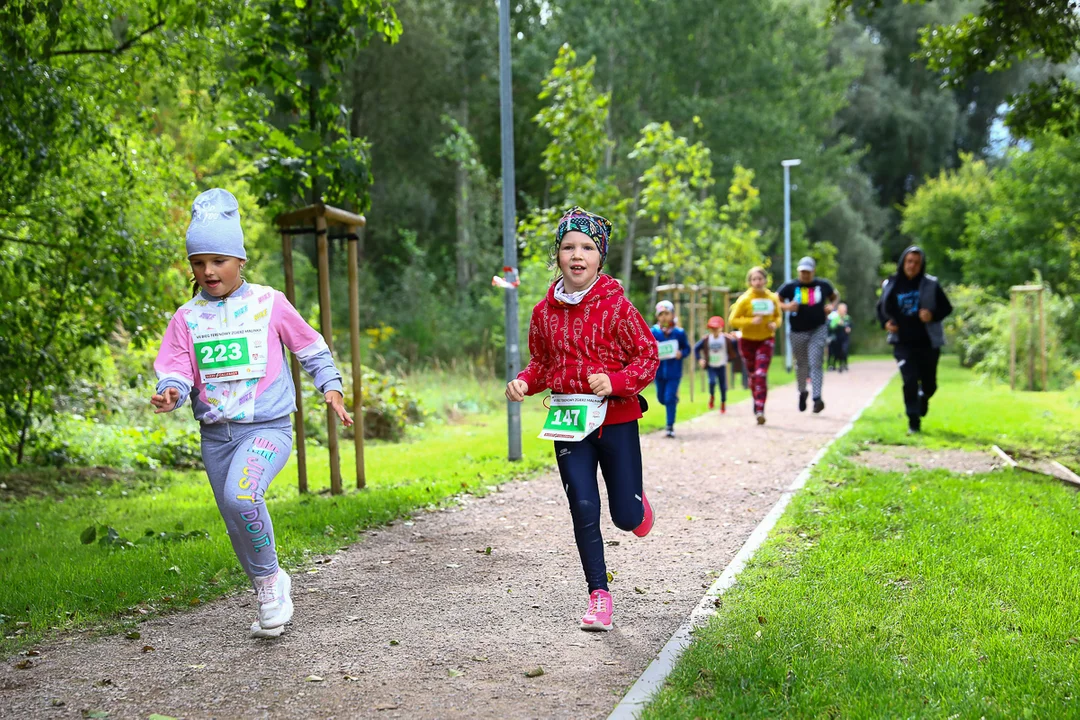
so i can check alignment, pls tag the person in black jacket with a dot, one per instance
(911, 308)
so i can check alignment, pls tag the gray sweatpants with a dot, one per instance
(241, 461)
(809, 351)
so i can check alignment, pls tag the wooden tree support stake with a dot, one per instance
(1066, 475)
(318, 219)
(1069, 475)
(1005, 456)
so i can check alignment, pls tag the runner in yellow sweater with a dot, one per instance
(757, 314)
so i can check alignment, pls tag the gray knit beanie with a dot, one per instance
(215, 225)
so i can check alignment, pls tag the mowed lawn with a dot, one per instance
(54, 582)
(908, 594)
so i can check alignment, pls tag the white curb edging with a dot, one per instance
(641, 692)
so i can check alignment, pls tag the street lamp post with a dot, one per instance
(787, 164)
(513, 410)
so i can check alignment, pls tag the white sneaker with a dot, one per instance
(257, 631)
(275, 603)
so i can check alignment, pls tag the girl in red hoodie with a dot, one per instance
(587, 339)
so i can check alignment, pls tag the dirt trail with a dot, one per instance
(414, 622)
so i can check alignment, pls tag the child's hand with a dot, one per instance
(892, 327)
(757, 319)
(678, 354)
(772, 326)
(925, 315)
(516, 389)
(600, 384)
(336, 400)
(701, 364)
(166, 401)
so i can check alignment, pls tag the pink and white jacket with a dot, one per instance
(255, 309)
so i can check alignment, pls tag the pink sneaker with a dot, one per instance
(646, 523)
(598, 616)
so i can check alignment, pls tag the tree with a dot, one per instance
(727, 238)
(93, 185)
(936, 216)
(911, 124)
(674, 193)
(292, 51)
(460, 148)
(995, 228)
(1028, 223)
(574, 119)
(88, 227)
(846, 238)
(995, 37)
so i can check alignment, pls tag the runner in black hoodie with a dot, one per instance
(911, 308)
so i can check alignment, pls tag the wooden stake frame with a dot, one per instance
(1016, 292)
(318, 219)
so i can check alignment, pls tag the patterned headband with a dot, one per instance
(591, 224)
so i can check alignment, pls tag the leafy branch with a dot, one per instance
(119, 49)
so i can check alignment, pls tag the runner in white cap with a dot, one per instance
(673, 346)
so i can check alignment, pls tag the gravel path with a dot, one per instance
(418, 621)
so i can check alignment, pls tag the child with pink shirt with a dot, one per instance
(223, 351)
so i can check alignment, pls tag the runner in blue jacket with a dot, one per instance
(669, 337)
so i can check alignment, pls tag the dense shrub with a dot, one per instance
(74, 440)
(981, 326)
(389, 407)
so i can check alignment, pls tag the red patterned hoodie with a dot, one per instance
(604, 333)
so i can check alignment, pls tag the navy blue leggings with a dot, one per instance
(616, 449)
(667, 392)
(718, 375)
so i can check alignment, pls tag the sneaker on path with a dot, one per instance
(598, 616)
(723, 407)
(275, 600)
(646, 522)
(819, 405)
(712, 402)
(257, 631)
(669, 432)
(802, 400)
(760, 418)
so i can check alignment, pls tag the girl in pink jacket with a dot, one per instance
(223, 351)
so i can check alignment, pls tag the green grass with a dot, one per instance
(918, 594)
(54, 582)
(969, 411)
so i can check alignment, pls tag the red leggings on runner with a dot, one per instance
(756, 355)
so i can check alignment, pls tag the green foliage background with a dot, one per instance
(669, 118)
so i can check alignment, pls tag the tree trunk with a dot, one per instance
(357, 101)
(314, 63)
(609, 151)
(53, 328)
(464, 242)
(631, 235)
(26, 426)
(356, 130)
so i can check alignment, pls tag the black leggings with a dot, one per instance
(918, 368)
(616, 449)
